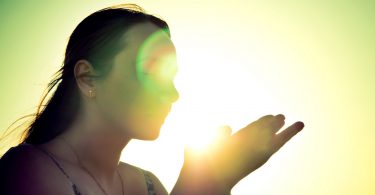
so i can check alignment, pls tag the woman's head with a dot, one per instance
(127, 58)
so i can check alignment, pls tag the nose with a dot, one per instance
(174, 94)
(171, 95)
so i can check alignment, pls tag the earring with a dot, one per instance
(92, 93)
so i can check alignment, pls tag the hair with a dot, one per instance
(95, 39)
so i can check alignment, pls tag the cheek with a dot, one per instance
(132, 110)
(145, 116)
(115, 102)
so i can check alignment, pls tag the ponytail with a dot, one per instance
(57, 115)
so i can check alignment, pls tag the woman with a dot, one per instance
(116, 84)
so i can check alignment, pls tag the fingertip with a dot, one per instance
(281, 116)
(300, 124)
(225, 127)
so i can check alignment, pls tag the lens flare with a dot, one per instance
(198, 143)
(156, 62)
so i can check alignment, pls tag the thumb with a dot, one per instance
(222, 133)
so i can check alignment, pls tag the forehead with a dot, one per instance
(142, 41)
(147, 38)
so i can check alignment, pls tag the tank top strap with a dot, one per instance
(59, 166)
(148, 181)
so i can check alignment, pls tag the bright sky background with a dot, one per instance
(313, 61)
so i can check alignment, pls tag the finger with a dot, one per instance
(262, 121)
(271, 123)
(260, 125)
(224, 132)
(266, 117)
(278, 122)
(281, 138)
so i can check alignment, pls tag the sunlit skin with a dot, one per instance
(132, 102)
(124, 108)
(232, 157)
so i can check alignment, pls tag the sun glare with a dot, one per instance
(237, 61)
(203, 141)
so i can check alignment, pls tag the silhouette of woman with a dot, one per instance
(116, 84)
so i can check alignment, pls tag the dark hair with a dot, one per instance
(95, 39)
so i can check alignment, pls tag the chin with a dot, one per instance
(147, 130)
(149, 133)
(152, 138)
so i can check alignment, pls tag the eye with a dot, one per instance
(160, 70)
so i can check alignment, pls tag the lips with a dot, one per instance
(159, 114)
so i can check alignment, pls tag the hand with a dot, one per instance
(232, 158)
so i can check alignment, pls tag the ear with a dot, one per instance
(84, 74)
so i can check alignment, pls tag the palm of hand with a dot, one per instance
(234, 157)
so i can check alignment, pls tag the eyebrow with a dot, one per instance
(148, 58)
(153, 58)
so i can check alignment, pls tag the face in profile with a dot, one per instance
(139, 91)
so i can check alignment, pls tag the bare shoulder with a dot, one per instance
(25, 170)
(136, 177)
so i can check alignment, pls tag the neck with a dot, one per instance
(95, 146)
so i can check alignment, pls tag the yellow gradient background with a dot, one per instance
(313, 61)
